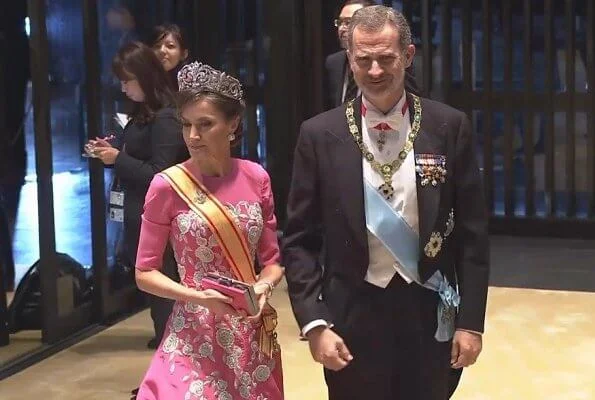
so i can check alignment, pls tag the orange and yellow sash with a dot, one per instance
(229, 236)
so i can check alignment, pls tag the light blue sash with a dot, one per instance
(403, 243)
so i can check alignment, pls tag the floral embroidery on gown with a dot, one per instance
(204, 356)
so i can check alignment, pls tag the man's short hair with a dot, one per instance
(374, 18)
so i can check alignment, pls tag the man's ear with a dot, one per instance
(409, 55)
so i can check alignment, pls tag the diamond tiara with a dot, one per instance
(203, 77)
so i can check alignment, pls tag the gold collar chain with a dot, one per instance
(386, 170)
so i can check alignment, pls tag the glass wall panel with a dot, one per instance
(19, 233)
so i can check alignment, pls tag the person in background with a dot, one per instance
(218, 214)
(122, 24)
(152, 141)
(168, 43)
(339, 83)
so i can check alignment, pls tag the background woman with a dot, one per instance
(209, 350)
(152, 141)
(169, 45)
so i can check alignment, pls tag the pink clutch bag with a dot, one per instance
(241, 293)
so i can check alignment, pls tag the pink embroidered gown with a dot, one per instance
(204, 356)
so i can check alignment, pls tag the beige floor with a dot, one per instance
(538, 345)
(21, 342)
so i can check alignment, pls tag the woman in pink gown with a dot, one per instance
(210, 351)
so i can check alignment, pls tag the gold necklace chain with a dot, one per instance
(385, 170)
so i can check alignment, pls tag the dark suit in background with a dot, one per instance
(147, 150)
(336, 65)
(390, 332)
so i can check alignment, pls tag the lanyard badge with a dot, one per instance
(116, 205)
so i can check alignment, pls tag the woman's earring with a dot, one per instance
(231, 137)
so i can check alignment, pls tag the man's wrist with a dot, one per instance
(470, 331)
(317, 323)
(317, 330)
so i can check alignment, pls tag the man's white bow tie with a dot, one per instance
(381, 122)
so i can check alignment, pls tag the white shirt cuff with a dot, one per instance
(470, 331)
(314, 324)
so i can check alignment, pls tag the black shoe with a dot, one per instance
(133, 394)
(152, 344)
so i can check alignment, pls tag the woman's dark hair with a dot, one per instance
(159, 33)
(137, 61)
(230, 108)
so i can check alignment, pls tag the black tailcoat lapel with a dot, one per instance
(347, 161)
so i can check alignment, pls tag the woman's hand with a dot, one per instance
(102, 142)
(93, 147)
(107, 155)
(263, 291)
(216, 302)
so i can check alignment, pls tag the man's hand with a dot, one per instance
(466, 347)
(328, 348)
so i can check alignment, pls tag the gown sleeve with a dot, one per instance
(155, 225)
(268, 247)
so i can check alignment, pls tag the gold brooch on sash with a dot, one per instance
(431, 168)
(200, 197)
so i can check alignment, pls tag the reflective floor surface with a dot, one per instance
(539, 345)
